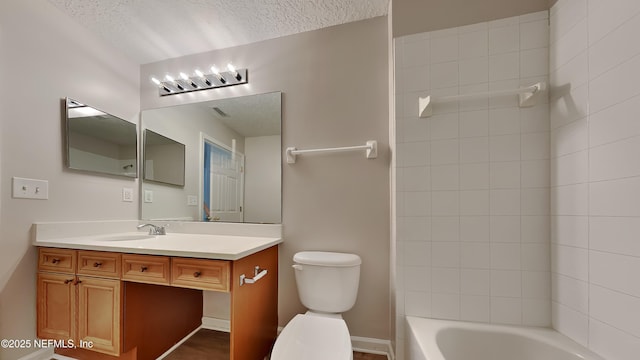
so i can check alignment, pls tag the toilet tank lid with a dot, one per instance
(324, 258)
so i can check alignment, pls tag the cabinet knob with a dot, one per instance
(97, 264)
(68, 281)
(143, 268)
(197, 274)
(78, 282)
(55, 260)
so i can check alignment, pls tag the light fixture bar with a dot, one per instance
(201, 81)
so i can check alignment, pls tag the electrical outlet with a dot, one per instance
(148, 196)
(192, 200)
(127, 194)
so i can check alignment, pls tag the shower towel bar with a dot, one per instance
(528, 96)
(371, 147)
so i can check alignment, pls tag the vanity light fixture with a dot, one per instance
(159, 83)
(216, 72)
(201, 81)
(232, 70)
(185, 77)
(175, 83)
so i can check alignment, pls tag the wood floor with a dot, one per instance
(214, 345)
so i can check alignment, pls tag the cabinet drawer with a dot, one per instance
(146, 269)
(57, 260)
(200, 274)
(98, 263)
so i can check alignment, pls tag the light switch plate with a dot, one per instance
(148, 196)
(127, 194)
(30, 189)
(192, 200)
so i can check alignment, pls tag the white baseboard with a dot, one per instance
(45, 354)
(178, 343)
(216, 324)
(372, 346)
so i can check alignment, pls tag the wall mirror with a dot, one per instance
(99, 142)
(163, 159)
(232, 167)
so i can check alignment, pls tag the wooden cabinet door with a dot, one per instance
(99, 315)
(56, 306)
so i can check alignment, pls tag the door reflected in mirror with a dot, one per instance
(232, 167)
(99, 142)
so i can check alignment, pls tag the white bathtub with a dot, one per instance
(430, 339)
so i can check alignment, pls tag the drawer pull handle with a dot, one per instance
(68, 281)
(143, 268)
(258, 274)
(197, 274)
(97, 264)
(55, 260)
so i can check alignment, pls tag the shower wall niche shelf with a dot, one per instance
(527, 96)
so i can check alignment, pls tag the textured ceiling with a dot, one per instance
(154, 30)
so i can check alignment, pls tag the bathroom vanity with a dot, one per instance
(134, 296)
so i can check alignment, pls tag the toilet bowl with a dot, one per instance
(327, 285)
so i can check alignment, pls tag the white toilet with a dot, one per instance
(327, 286)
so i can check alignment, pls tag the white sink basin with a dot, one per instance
(125, 237)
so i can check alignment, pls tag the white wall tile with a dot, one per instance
(569, 46)
(536, 312)
(445, 177)
(415, 53)
(615, 48)
(534, 35)
(615, 234)
(417, 203)
(474, 71)
(474, 228)
(417, 253)
(535, 146)
(535, 229)
(615, 197)
(444, 152)
(615, 85)
(612, 343)
(504, 66)
(474, 150)
(565, 16)
(570, 292)
(505, 310)
(534, 62)
(614, 123)
(535, 201)
(443, 126)
(505, 229)
(572, 104)
(474, 176)
(615, 160)
(570, 169)
(535, 257)
(604, 17)
(535, 173)
(417, 278)
(534, 119)
(504, 39)
(504, 175)
(445, 228)
(504, 148)
(571, 323)
(444, 75)
(446, 306)
(444, 49)
(474, 123)
(476, 256)
(505, 202)
(506, 256)
(570, 138)
(613, 308)
(570, 230)
(413, 154)
(415, 178)
(445, 203)
(537, 285)
(417, 303)
(475, 308)
(570, 261)
(616, 272)
(474, 44)
(504, 121)
(473, 104)
(445, 280)
(474, 202)
(414, 228)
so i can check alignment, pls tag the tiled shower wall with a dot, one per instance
(473, 179)
(595, 148)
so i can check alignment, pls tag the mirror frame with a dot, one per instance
(67, 144)
(144, 159)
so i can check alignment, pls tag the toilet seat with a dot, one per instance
(313, 337)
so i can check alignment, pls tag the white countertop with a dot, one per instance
(231, 242)
(205, 246)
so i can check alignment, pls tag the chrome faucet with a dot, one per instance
(154, 229)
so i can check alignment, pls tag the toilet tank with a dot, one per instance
(327, 281)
